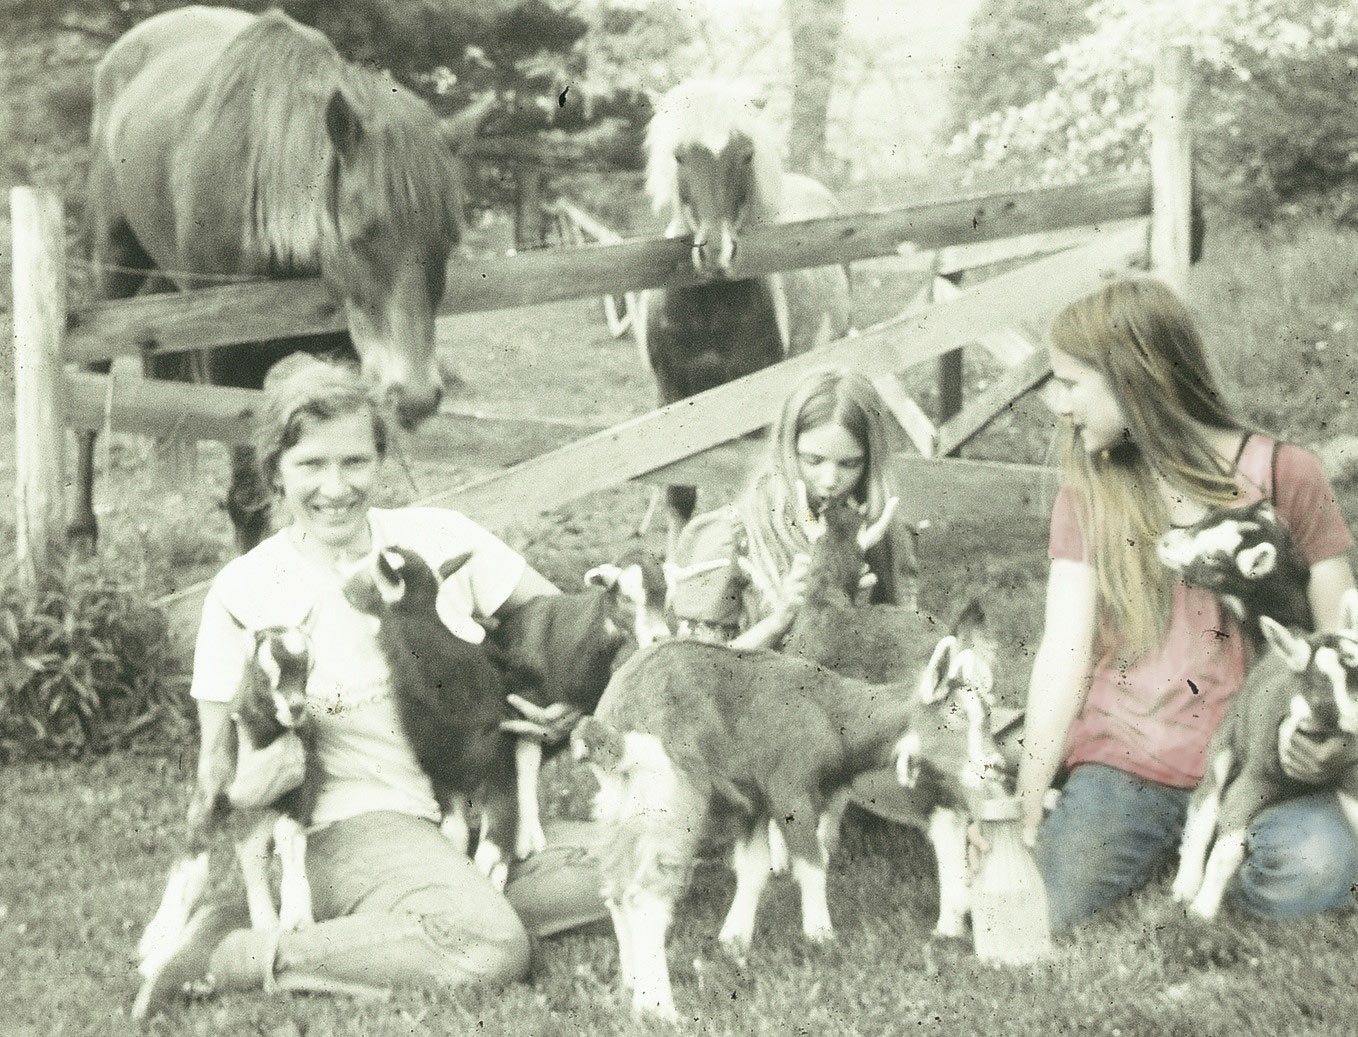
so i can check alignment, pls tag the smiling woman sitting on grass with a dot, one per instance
(396, 904)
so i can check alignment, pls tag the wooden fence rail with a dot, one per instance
(206, 317)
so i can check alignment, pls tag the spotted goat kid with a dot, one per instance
(696, 741)
(1304, 682)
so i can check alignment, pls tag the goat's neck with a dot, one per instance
(872, 717)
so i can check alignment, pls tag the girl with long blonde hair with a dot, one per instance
(739, 571)
(1134, 669)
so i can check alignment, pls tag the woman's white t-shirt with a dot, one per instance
(366, 761)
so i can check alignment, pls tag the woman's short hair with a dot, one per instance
(301, 389)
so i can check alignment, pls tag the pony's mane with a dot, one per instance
(708, 112)
(285, 153)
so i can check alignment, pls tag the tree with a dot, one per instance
(815, 27)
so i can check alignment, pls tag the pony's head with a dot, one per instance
(349, 175)
(390, 224)
(713, 160)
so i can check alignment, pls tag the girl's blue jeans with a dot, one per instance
(1111, 831)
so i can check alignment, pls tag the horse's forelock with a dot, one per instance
(709, 112)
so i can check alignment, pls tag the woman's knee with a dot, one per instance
(478, 955)
(1302, 859)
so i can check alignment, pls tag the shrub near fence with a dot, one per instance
(86, 662)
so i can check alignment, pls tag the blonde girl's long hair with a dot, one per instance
(836, 396)
(1142, 338)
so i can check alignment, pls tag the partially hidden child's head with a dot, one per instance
(831, 434)
(1138, 392)
(302, 392)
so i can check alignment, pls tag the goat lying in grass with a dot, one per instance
(451, 691)
(693, 739)
(570, 644)
(270, 701)
(1247, 558)
(1303, 682)
(880, 643)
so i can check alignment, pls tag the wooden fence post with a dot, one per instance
(1171, 169)
(39, 280)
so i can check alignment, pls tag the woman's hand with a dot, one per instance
(546, 725)
(1312, 760)
(263, 775)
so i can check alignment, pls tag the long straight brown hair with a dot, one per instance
(1141, 337)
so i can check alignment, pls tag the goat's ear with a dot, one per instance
(870, 536)
(605, 576)
(933, 682)
(453, 564)
(1296, 651)
(1348, 612)
(1258, 561)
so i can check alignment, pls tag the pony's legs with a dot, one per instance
(247, 501)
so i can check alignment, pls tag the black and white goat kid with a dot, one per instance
(1306, 683)
(1248, 559)
(270, 701)
(694, 739)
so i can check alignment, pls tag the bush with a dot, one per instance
(86, 664)
(1276, 87)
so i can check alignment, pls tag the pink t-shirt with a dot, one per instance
(1153, 719)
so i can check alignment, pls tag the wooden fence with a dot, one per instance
(1079, 233)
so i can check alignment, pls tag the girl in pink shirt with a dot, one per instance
(1134, 669)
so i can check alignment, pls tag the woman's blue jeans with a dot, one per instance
(1110, 831)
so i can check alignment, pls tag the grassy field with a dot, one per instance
(84, 845)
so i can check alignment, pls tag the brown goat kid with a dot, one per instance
(693, 739)
(1306, 682)
(881, 643)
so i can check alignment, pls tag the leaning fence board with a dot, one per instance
(989, 404)
(173, 322)
(689, 426)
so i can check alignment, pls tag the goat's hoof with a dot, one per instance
(1202, 911)
(820, 935)
(664, 1013)
(1183, 891)
(527, 845)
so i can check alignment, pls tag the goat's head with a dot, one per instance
(1325, 667)
(282, 654)
(950, 731)
(397, 580)
(1230, 549)
(840, 538)
(636, 587)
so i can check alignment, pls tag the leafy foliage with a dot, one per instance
(85, 663)
(1277, 83)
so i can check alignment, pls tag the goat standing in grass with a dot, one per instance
(693, 739)
(569, 645)
(882, 643)
(271, 701)
(1307, 684)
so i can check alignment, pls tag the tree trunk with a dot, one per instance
(815, 27)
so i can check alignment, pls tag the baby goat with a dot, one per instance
(1247, 558)
(450, 696)
(693, 738)
(570, 644)
(1304, 683)
(880, 643)
(271, 700)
